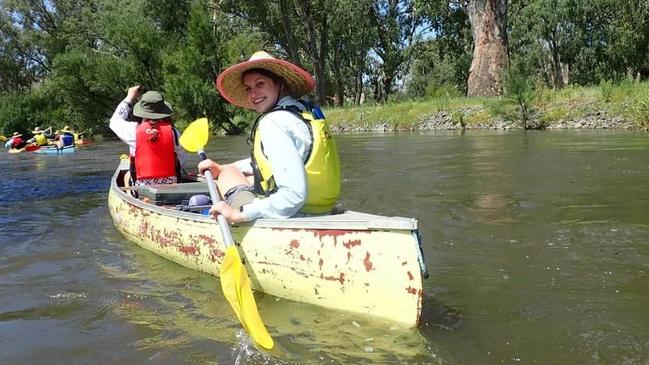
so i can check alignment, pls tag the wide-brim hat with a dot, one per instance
(37, 130)
(16, 134)
(297, 81)
(66, 129)
(152, 106)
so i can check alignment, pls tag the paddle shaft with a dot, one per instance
(216, 197)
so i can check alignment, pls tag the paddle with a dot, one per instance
(2, 138)
(234, 278)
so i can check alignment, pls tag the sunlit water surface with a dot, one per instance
(536, 244)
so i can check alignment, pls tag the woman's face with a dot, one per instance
(261, 90)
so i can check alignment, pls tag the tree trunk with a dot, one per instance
(317, 47)
(488, 20)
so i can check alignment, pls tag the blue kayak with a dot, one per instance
(53, 150)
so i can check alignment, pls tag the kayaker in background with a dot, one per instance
(17, 142)
(289, 173)
(66, 137)
(48, 133)
(156, 156)
(56, 137)
(39, 138)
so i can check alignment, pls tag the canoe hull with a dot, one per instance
(56, 151)
(337, 265)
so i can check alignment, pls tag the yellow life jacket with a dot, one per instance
(322, 165)
(40, 139)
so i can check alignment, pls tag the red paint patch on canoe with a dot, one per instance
(294, 244)
(368, 264)
(351, 243)
(340, 278)
(411, 290)
(216, 254)
(209, 240)
(410, 276)
(189, 250)
(335, 233)
(329, 232)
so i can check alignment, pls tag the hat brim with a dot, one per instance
(229, 83)
(37, 132)
(165, 112)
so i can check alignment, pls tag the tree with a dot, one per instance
(398, 28)
(352, 36)
(299, 27)
(488, 20)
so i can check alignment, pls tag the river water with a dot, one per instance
(536, 244)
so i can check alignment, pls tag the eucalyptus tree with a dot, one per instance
(352, 36)
(398, 28)
(15, 74)
(544, 40)
(189, 69)
(488, 20)
(442, 62)
(300, 29)
(618, 34)
(39, 32)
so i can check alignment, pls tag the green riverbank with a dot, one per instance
(623, 105)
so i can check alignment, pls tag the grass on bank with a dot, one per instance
(628, 99)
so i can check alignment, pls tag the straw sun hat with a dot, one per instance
(37, 130)
(230, 85)
(16, 134)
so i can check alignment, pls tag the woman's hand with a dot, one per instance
(208, 164)
(232, 215)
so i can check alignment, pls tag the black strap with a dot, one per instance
(289, 108)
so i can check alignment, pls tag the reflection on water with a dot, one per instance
(535, 242)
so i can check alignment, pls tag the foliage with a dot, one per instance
(519, 92)
(71, 61)
(642, 114)
(607, 90)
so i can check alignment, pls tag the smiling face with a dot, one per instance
(261, 90)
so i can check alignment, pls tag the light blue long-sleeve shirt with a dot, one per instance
(287, 143)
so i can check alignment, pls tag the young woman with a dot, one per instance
(289, 171)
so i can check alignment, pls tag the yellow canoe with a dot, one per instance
(350, 261)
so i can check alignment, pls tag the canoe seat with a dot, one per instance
(172, 194)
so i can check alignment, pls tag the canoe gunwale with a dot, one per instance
(348, 220)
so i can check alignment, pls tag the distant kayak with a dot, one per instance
(28, 148)
(53, 150)
(83, 142)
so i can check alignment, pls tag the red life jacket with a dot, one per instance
(155, 156)
(17, 142)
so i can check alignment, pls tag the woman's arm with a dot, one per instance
(288, 171)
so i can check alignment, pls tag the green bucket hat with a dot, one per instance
(152, 105)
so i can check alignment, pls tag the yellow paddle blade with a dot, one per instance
(3, 138)
(195, 136)
(237, 290)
